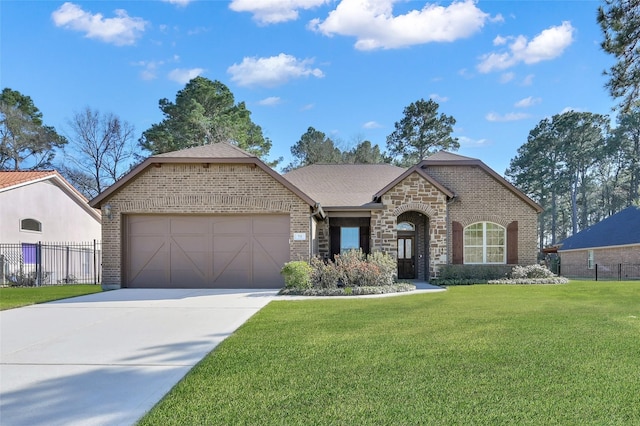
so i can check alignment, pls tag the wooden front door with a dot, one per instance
(406, 258)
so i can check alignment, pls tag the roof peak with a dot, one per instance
(214, 150)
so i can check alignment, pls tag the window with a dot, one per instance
(349, 238)
(484, 242)
(406, 226)
(590, 259)
(30, 225)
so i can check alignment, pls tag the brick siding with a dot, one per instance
(192, 188)
(573, 263)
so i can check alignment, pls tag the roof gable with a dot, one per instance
(443, 158)
(10, 180)
(415, 169)
(218, 153)
(622, 228)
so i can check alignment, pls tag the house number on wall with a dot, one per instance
(299, 236)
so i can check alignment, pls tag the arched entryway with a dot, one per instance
(413, 245)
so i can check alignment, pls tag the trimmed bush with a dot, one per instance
(478, 273)
(325, 274)
(297, 274)
(531, 271)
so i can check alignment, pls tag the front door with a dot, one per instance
(406, 258)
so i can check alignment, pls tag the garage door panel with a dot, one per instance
(194, 251)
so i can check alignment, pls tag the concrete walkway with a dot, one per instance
(107, 358)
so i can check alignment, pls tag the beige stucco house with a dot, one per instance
(216, 216)
(42, 206)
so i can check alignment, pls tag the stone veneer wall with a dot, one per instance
(573, 263)
(481, 198)
(193, 188)
(414, 193)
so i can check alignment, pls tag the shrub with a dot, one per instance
(325, 274)
(386, 265)
(478, 273)
(297, 274)
(531, 271)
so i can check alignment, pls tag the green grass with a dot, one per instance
(14, 297)
(552, 355)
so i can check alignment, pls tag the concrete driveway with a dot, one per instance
(107, 358)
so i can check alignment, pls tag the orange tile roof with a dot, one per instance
(11, 178)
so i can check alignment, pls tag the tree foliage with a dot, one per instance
(314, 147)
(25, 142)
(100, 150)
(204, 112)
(420, 133)
(620, 23)
(579, 170)
(364, 153)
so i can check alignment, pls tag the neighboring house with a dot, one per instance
(216, 216)
(611, 244)
(42, 207)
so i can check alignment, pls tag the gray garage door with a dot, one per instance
(206, 251)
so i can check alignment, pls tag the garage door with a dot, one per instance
(206, 251)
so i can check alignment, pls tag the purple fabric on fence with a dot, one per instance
(29, 253)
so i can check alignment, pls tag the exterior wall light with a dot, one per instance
(106, 210)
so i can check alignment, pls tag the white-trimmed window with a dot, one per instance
(406, 226)
(30, 225)
(590, 262)
(485, 242)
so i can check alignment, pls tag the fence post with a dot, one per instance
(95, 272)
(619, 271)
(596, 272)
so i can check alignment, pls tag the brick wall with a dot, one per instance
(573, 263)
(481, 198)
(192, 188)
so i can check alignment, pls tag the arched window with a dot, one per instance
(406, 226)
(30, 225)
(484, 242)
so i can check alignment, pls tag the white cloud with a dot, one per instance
(528, 80)
(274, 11)
(438, 98)
(182, 75)
(549, 44)
(570, 109)
(467, 142)
(511, 116)
(178, 2)
(507, 77)
(372, 125)
(307, 107)
(270, 101)
(120, 30)
(528, 102)
(376, 27)
(272, 71)
(499, 41)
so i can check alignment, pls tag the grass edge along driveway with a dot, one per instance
(15, 297)
(485, 354)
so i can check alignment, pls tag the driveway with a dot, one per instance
(107, 358)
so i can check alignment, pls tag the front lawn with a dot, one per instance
(14, 297)
(486, 354)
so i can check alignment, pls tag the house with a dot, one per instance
(612, 246)
(39, 210)
(42, 206)
(216, 216)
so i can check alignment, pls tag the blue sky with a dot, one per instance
(347, 68)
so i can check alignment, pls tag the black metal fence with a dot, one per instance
(617, 271)
(47, 263)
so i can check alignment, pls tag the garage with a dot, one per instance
(205, 251)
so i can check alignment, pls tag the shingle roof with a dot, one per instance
(214, 150)
(447, 156)
(620, 229)
(12, 178)
(349, 185)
